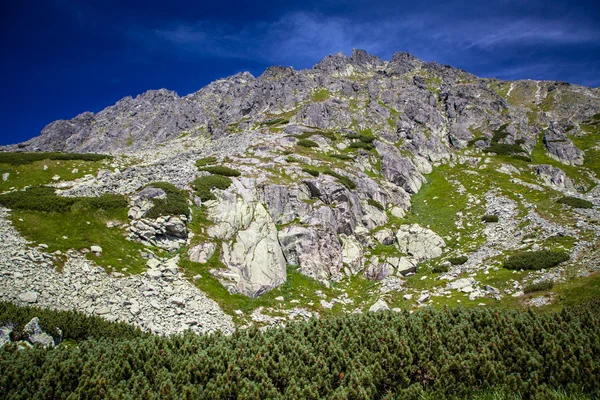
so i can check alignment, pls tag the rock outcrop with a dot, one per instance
(418, 242)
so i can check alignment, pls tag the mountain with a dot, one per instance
(358, 184)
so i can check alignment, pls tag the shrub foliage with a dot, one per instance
(536, 259)
(575, 202)
(311, 171)
(28, 158)
(174, 204)
(307, 143)
(450, 353)
(458, 260)
(204, 184)
(490, 218)
(73, 324)
(538, 287)
(222, 170)
(43, 198)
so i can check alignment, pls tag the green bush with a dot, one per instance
(375, 203)
(535, 260)
(328, 135)
(206, 161)
(311, 171)
(291, 159)
(458, 260)
(490, 218)
(174, 204)
(307, 143)
(204, 184)
(504, 149)
(28, 158)
(342, 156)
(361, 145)
(221, 170)
(349, 183)
(436, 354)
(575, 202)
(73, 324)
(105, 202)
(276, 121)
(521, 157)
(538, 287)
(439, 269)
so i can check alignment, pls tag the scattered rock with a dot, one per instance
(380, 305)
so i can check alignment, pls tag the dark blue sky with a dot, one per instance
(64, 57)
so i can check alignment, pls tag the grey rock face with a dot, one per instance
(399, 170)
(420, 243)
(317, 251)
(202, 253)
(251, 251)
(562, 148)
(380, 305)
(554, 177)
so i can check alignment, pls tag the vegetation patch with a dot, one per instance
(43, 198)
(311, 171)
(439, 269)
(174, 204)
(361, 145)
(307, 143)
(535, 260)
(344, 180)
(490, 218)
(344, 157)
(329, 135)
(458, 260)
(376, 204)
(374, 355)
(204, 184)
(221, 170)
(74, 325)
(206, 161)
(28, 158)
(276, 121)
(320, 94)
(541, 286)
(575, 202)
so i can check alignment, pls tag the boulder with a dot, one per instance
(352, 253)
(398, 170)
(561, 148)
(36, 335)
(554, 177)
(380, 305)
(96, 249)
(419, 242)
(5, 332)
(29, 297)
(250, 250)
(317, 251)
(201, 253)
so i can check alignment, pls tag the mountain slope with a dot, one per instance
(357, 183)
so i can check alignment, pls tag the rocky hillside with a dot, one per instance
(358, 184)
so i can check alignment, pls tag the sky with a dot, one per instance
(63, 57)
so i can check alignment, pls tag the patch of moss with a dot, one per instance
(575, 202)
(205, 184)
(221, 170)
(307, 143)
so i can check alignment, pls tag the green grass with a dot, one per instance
(320, 94)
(82, 228)
(34, 173)
(329, 135)
(535, 260)
(275, 121)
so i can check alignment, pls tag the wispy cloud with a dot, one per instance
(301, 35)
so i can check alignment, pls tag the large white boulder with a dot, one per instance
(419, 242)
